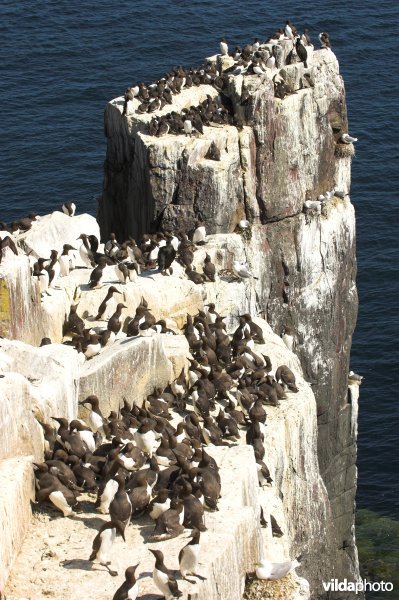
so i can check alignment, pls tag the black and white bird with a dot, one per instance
(66, 260)
(69, 208)
(188, 126)
(324, 40)
(189, 556)
(103, 542)
(163, 578)
(129, 589)
(199, 235)
(288, 31)
(224, 49)
(93, 347)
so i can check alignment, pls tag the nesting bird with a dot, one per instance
(241, 270)
(274, 571)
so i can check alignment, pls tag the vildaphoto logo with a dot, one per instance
(334, 585)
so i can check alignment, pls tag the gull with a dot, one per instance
(348, 139)
(241, 270)
(243, 224)
(274, 571)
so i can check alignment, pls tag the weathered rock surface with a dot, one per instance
(131, 366)
(16, 491)
(305, 262)
(67, 545)
(20, 309)
(52, 231)
(229, 552)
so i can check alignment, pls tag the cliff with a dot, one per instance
(286, 153)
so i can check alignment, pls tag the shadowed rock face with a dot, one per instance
(285, 154)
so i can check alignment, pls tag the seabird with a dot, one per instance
(170, 523)
(348, 139)
(163, 578)
(273, 571)
(59, 495)
(7, 242)
(188, 126)
(103, 542)
(69, 208)
(129, 588)
(189, 556)
(199, 235)
(40, 272)
(224, 49)
(115, 322)
(301, 52)
(195, 277)
(104, 304)
(66, 262)
(276, 530)
(306, 38)
(120, 508)
(285, 375)
(166, 256)
(159, 504)
(324, 40)
(85, 251)
(93, 347)
(97, 273)
(53, 268)
(241, 270)
(288, 31)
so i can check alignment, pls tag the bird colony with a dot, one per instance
(152, 458)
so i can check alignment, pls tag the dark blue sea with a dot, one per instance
(62, 61)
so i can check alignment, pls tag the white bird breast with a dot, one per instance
(58, 499)
(108, 495)
(161, 581)
(189, 559)
(107, 539)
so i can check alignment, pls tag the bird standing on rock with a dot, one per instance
(103, 542)
(129, 589)
(97, 273)
(189, 556)
(166, 256)
(69, 208)
(324, 40)
(199, 235)
(115, 322)
(104, 304)
(224, 49)
(209, 268)
(301, 52)
(163, 578)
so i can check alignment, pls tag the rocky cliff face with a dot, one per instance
(286, 153)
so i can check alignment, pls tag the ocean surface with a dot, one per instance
(62, 61)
